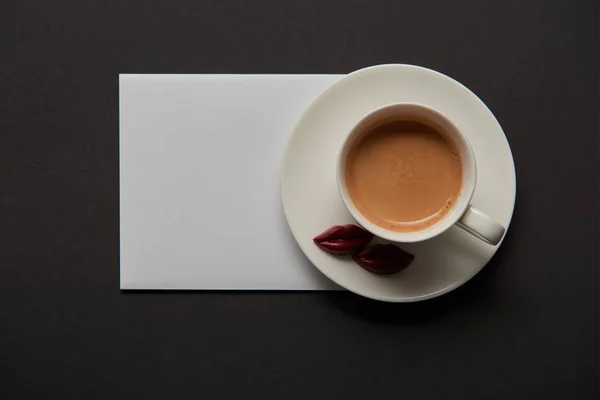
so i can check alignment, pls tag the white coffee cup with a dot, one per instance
(463, 214)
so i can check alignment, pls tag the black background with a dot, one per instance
(525, 327)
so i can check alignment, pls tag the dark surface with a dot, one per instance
(526, 327)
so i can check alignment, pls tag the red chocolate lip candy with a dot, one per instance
(383, 259)
(343, 239)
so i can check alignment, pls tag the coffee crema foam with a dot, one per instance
(404, 176)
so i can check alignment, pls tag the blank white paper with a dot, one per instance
(200, 157)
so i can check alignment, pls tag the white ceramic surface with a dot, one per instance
(475, 221)
(312, 203)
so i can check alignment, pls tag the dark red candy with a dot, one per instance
(383, 258)
(343, 239)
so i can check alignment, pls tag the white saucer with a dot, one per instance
(312, 203)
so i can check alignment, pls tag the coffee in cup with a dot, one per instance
(404, 175)
(407, 174)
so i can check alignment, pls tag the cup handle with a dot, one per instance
(480, 225)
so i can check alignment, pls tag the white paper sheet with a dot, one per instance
(199, 181)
